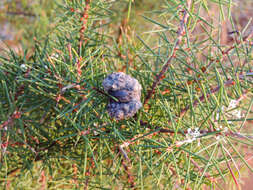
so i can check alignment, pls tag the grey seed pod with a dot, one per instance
(125, 96)
(121, 81)
(127, 91)
(123, 110)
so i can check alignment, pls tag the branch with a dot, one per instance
(15, 115)
(180, 34)
(226, 52)
(159, 129)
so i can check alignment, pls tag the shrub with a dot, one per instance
(196, 94)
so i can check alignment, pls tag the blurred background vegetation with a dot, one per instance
(22, 20)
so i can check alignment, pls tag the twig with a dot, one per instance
(180, 34)
(121, 149)
(226, 52)
(16, 115)
(212, 91)
(129, 174)
(233, 176)
(69, 51)
(239, 135)
(42, 180)
(83, 19)
(202, 97)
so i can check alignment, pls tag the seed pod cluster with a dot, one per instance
(127, 91)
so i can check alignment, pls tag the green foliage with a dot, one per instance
(53, 119)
